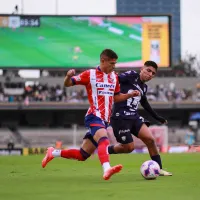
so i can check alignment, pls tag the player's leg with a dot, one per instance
(122, 132)
(101, 137)
(146, 136)
(82, 154)
(111, 136)
(87, 148)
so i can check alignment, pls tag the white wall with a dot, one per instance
(7, 6)
(190, 27)
(62, 7)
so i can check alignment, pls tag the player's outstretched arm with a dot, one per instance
(123, 97)
(67, 81)
(145, 104)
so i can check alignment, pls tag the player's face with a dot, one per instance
(109, 64)
(147, 73)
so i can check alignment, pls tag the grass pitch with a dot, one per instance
(22, 178)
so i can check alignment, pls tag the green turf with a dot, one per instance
(51, 44)
(22, 178)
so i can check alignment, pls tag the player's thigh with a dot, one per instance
(96, 126)
(137, 125)
(111, 135)
(88, 146)
(145, 134)
(100, 133)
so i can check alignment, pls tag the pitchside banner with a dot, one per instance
(33, 151)
(11, 152)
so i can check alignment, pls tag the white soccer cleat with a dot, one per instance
(165, 173)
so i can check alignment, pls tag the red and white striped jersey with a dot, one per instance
(101, 88)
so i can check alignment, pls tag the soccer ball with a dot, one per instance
(150, 170)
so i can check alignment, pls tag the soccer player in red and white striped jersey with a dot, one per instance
(103, 89)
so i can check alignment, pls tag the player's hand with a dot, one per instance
(134, 93)
(71, 72)
(162, 120)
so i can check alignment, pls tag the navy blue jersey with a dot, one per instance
(129, 80)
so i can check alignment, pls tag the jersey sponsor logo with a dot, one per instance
(129, 113)
(124, 131)
(105, 85)
(103, 92)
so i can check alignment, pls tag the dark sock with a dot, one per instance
(157, 159)
(111, 149)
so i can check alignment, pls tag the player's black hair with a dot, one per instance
(151, 63)
(108, 53)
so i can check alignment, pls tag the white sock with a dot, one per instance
(106, 166)
(56, 153)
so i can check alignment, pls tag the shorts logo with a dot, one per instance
(123, 138)
(124, 131)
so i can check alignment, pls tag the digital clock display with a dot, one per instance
(29, 21)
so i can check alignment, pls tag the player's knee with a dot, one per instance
(129, 148)
(84, 158)
(84, 154)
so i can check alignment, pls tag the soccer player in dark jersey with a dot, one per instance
(125, 119)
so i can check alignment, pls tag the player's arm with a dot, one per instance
(145, 104)
(68, 81)
(81, 79)
(123, 97)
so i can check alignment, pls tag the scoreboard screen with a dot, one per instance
(77, 41)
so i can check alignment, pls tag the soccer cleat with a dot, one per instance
(111, 171)
(165, 173)
(48, 157)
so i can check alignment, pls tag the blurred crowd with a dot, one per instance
(19, 92)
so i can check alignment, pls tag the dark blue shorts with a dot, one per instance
(93, 123)
(124, 128)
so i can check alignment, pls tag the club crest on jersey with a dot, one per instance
(77, 78)
(105, 85)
